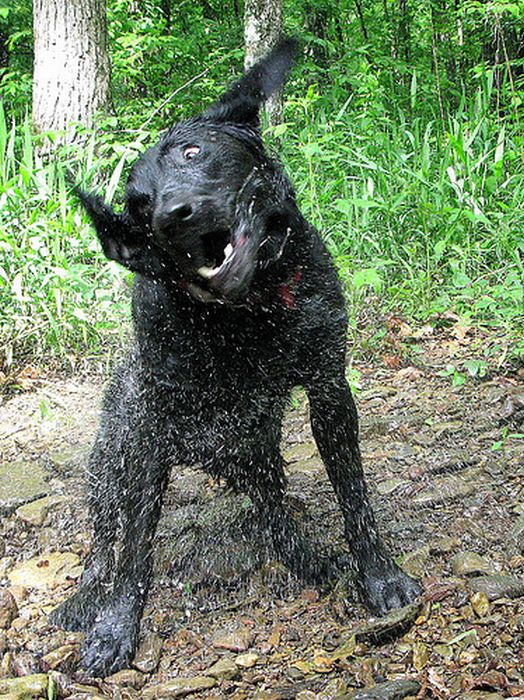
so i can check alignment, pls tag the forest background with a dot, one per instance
(401, 130)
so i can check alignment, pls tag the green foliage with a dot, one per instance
(58, 297)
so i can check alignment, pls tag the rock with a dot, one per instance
(35, 513)
(498, 586)
(20, 482)
(516, 535)
(19, 593)
(301, 452)
(179, 687)
(224, 669)
(66, 459)
(212, 542)
(384, 488)
(8, 609)
(25, 687)
(306, 466)
(443, 544)
(80, 691)
(63, 658)
(247, 660)
(25, 664)
(46, 571)
(445, 490)
(390, 690)
(468, 563)
(240, 639)
(480, 604)
(415, 563)
(148, 654)
(391, 625)
(128, 678)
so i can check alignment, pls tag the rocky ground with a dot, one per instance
(444, 455)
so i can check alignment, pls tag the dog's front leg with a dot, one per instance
(382, 584)
(111, 642)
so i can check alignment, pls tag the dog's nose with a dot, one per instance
(177, 210)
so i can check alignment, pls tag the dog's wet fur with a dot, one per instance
(236, 301)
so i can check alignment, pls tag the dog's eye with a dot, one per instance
(190, 152)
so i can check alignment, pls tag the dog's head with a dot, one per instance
(207, 202)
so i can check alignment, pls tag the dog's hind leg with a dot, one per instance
(335, 428)
(111, 642)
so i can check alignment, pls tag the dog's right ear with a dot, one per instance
(241, 103)
(112, 230)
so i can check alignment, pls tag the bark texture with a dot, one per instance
(262, 28)
(71, 81)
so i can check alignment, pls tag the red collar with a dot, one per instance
(287, 290)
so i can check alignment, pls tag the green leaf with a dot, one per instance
(367, 277)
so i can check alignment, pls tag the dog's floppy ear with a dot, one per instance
(120, 242)
(241, 103)
(110, 226)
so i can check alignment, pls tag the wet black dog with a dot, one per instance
(236, 301)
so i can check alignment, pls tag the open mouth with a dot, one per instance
(218, 250)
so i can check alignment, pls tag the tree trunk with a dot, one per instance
(4, 52)
(262, 28)
(71, 81)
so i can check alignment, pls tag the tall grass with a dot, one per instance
(59, 298)
(424, 216)
(427, 215)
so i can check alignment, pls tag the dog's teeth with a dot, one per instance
(207, 272)
(228, 251)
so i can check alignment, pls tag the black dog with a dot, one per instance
(236, 301)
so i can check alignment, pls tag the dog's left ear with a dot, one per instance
(241, 103)
(120, 241)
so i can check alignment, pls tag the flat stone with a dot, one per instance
(468, 563)
(62, 658)
(19, 593)
(516, 535)
(415, 563)
(20, 482)
(498, 586)
(8, 609)
(35, 513)
(148, 654)
(300, 452)
(306, 466)
(128, 678)
(442, 544)
(240, 639)
(445, 490)
(46, 571)
(392, 625)
(34, 686)
(384, 488)
(179, 687)
(247, 660)
(390, 690)
(224, 669)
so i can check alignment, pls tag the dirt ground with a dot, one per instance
(444, 455)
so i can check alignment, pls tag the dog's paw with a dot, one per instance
(78, 613)
(111, 642)
(387, 587)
